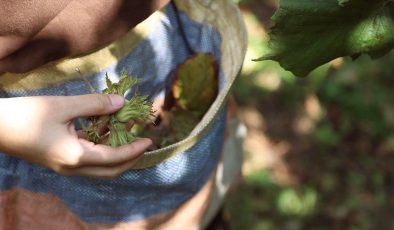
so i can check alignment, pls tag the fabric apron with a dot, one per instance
(190, 176)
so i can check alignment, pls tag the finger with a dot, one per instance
(102, 172)
(90, 105)
(102, 155)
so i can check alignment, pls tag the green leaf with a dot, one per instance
(125, 83)
(182, 123)
(342, 2)
(138, 108)
(119, 135)
(309, 33)
(196, 83)
(110, 86)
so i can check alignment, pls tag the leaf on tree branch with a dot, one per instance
(309, 33)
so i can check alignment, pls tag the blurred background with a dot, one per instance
(320, 150)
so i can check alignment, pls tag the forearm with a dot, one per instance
(80, 27)
(20, 20)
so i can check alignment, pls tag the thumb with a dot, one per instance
(92, 105)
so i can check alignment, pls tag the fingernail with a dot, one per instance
(116, 100)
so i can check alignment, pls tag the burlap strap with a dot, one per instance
(224, 16)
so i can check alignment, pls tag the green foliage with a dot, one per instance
(342, 2)
(326, 135)
(125, 83)
(345, 158)
(138, 108)
(118, 134)
(192, 92)
(297, 203)
(196, 81)
(309, 33)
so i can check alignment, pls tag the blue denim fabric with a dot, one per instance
(136, 194)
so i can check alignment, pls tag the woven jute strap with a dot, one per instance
(225, 17)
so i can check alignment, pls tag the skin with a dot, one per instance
(65, 28)
(40, 130)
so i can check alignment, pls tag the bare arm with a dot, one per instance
(76, 28)
(22, 19)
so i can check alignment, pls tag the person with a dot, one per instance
(53, 178)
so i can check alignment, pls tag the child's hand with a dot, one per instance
(41, 130)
